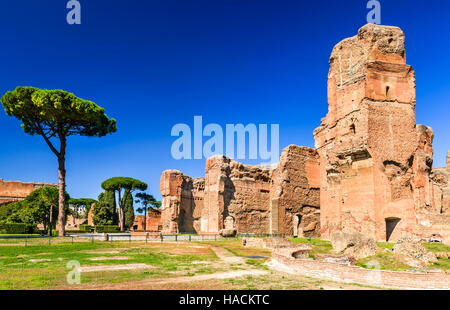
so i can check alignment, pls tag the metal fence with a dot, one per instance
(124, 237)
(41, 240)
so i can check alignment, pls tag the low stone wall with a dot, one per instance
(352, 274)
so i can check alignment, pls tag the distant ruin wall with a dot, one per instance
(153, 221)
(11, 191)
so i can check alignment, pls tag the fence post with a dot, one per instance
(72, 239)
(49, 240)
(162, 237)
(129, 239)
(176, 238)
(26, 240)
(190, 238)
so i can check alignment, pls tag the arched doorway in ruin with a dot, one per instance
(391, 228)
(296, 226)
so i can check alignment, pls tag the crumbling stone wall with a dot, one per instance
(251, 199)
(375, 162)
(441, 188)
(237, 192)
(296, 193)
(11, 191)
(371, 170)
(182, 202)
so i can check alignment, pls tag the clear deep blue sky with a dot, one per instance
(152, 64)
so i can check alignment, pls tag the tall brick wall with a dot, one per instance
(181, 203)
(295, 192)
(375, 162)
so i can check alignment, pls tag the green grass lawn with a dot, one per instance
(437, 247)
(44, 266)
(319, 246)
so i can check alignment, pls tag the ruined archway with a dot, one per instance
(391, 227)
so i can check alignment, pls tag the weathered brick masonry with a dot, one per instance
(375, 162)
(256, 199)
(371, 170)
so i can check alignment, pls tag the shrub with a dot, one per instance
(16, 228)
(106, 228)
(85, 228)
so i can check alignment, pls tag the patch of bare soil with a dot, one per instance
(200, 262)
(227, 256)
(110, 258)
(115, 267)
(39, 260)
(149, 284)
(10, 244)
(103, 252)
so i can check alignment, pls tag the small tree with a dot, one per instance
(50, 196)
(39, 207)
(102, 214)
(120, 185)
(147, 201)
(57, 114)
(128, 210)
(108, 199)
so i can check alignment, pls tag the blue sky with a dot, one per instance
(153, 64)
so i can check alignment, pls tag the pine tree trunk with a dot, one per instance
(145, 219)
(62, 196)
(120, 211)
(51, 220)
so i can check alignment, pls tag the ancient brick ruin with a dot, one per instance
(12, 191)
(375, 162)
(251, 199)
(153, 221)
(371, 172)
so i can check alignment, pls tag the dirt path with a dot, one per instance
(224, 255)
(149, 284)
(227, 256)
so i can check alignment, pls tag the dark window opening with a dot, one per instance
(391, 224)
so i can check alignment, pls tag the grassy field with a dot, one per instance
(223, 264)
(44, 266)
(319, 246)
